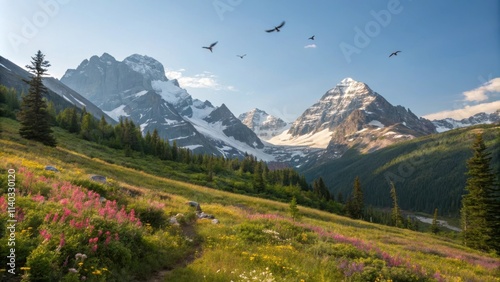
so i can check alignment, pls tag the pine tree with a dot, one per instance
(294, 210)
(397, 218)
(87, 127)
(480, 206)
(51, 110)
(358, 202)
(434, 226)
(340, 197)
(258, 179)
(320, 189)
(494, 211)
(34, 118)
(175, 151)
(324, 190)
(73, 121)
(349, 207)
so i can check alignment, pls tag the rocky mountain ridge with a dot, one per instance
(446, 124)
(137, 88)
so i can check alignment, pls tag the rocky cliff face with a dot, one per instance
(138, 89)
(108, 82)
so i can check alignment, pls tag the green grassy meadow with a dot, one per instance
(72, 229)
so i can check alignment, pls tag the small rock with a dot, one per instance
(205, 215)
(51, 168)
(102, 200)
(195, 204)
(173, 221)
(215, 221)
(98, 178)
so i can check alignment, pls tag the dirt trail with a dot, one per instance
(190, 232)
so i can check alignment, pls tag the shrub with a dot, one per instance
(42, 264)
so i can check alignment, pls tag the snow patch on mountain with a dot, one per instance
(192, 147)
(200, 109)
(67, 99)
(80, 102)
(117, 113)
(215, 131)
(5, 67)
(318, 140)
(376, 123)
(140, 93)
(169, 91)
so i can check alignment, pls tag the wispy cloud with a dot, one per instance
(474, 101)
(205, 80)
(479, 94)
(310, 46)
(466, 111)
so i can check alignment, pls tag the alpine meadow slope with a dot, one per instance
(123, 230)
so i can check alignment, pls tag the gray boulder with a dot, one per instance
(51, 168)
(98, 178)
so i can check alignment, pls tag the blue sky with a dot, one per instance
(449, 64)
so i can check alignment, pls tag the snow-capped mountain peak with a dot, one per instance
(147, 66)
(264, 125)
(352, 115)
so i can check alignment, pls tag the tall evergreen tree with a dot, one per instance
(494, 217)
(73, 121)
(480, 206)
(320, 189)
(175, 151)
(358, 202)
(87, 127)
(258, 179)
(340, 197)
(434, 225)
(397, 218)
(34, 118)
(293, 209)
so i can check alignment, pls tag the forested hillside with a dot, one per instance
(428, 172)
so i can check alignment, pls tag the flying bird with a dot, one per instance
(276, 28)
(211, 46)
(394, 54)
(311, 38)
(241, 56)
